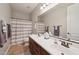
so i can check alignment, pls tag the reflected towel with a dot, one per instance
(56, 30)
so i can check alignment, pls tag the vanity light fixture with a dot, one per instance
(44, 5)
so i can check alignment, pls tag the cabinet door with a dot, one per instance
(43, 51)
(34, 48)
(31, 46)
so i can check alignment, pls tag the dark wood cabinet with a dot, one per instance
(36, 49)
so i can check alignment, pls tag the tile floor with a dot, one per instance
(19, 50)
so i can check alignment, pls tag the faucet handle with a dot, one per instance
(70, 43)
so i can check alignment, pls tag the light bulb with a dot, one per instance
(41, 7)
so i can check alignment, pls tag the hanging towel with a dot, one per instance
(2, 34)
(56, 30)
(9, 30)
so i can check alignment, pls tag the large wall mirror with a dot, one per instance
(73, 22)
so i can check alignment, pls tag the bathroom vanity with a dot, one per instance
(40, 46)
(36, 49)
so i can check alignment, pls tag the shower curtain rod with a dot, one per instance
(18, 18)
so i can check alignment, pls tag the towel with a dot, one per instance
(2, 34)
(56, 30)
(9, 30)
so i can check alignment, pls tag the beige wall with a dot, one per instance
(34, 17)
(57, 16)
(35, 13)
(5, 14)
(21, 15)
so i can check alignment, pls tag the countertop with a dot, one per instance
(55, 49)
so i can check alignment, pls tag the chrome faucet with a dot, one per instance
(65, 44)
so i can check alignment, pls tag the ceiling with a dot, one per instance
(23, 7)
